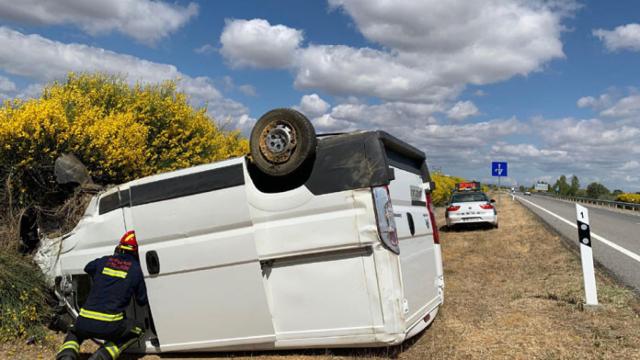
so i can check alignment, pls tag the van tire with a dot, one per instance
(281, 140)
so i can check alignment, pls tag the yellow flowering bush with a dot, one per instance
(120, 132)
(630, 198)
(445, 185)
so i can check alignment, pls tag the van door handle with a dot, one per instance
(153, 262)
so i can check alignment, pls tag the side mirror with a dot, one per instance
(492, 200)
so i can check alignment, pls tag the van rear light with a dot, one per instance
(453, 208)
(486, 206)
(432, 216)
(385, 218)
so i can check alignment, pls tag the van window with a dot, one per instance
(468, 197)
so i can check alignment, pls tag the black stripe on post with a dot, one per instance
(584, 233)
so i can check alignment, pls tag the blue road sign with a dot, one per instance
(498, 168)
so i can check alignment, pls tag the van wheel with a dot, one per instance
(281, 141)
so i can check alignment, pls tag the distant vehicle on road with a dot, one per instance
(471, 207)
(528, 193)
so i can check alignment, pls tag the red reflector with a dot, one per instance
(453, 208)
(432, 216)
(426, 318)
(486, 206)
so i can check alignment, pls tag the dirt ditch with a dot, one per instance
(511, 293)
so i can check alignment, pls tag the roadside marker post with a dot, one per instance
(586, 255)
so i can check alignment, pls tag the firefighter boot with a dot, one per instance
(68, 351)
(67, 354)
(103, 354)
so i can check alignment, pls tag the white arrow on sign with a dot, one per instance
(499, 169)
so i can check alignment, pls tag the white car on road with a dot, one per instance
(471, 207)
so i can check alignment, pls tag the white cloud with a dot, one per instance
(614, 104)
(433, 55)
(144, 20)
(248, 90)
(6, 85)
(479, 93)
(462, 110)
(624, 37)
(586, 101)
(397, 117)
(571, 133)
(430, 49)
(631, 165)
(313, 105)
(344, 70)
(628, 106)
(42, 59)
(521, 151)
(256, 43)
(205, 49)
(31, 91)
(592, 149)
(608, 149)
(230, 85)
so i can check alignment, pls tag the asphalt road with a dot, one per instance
(615, 235)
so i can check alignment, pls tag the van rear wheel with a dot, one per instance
(281, 141)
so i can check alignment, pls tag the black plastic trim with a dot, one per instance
(196, 183)
(405, 156)
(191, 184)
(362, 159)
(412, 225)
(109, 203)
(153, 262)
(418, 203)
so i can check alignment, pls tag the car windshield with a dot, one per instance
(468, 197)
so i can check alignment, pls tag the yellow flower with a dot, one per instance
(119, 131)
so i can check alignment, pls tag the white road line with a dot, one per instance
(613, 245)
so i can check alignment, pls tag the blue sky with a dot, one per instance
(548, 85)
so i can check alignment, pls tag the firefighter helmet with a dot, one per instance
(128, 242)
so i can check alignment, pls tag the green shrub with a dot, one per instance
(23, 298)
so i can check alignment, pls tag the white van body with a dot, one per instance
(229, 265)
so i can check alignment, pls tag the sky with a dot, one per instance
(549, 86)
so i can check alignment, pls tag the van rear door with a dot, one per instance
(417, 254)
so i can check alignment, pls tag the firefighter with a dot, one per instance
(116, 279)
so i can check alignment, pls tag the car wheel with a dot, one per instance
(281, 141)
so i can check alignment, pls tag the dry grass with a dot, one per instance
(511, 293)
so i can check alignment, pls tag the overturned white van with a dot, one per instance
(341, 250)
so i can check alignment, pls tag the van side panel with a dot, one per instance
(208, 260)
(417, 253)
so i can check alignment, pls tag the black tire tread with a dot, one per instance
(306, 142)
